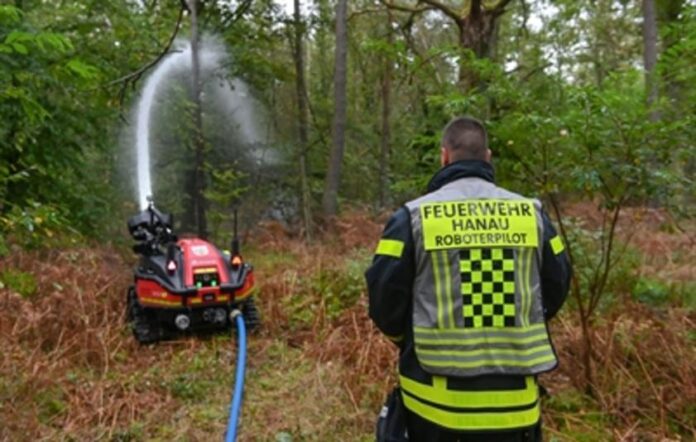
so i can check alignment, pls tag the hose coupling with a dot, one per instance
(234, 313)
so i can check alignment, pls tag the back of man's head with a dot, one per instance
(465, 138)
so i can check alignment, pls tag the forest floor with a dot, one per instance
(318, 370)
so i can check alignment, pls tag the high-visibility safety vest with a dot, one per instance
(477, 306)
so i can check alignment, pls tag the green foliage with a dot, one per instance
(38, 225)
(569, 401)
(53, 119)
(659, 293)
(188, 386)
(135, 432)
(341, 287)
(596, 425)
(21, 282)
(60, 124)
(651, 291)
(50, 403)
(564, 101)
(329, 291)
(226, 188)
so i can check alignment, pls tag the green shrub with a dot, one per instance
(23, 283)
(50, 404)
(36, 225)
(341, 287)
(657, 293)
(337, 287)
(651, 291)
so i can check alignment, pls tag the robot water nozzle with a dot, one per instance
(151, 228)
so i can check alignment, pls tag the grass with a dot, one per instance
(318, 370)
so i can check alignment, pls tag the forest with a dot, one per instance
(299, 127)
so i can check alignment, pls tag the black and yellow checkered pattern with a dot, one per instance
(488, 287)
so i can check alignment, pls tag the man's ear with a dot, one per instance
(489, 155)
(444, 157)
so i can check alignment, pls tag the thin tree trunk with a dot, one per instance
(198, 140)
(385, 145)
(576, 293)
(322, 44)
(650, 55)
(301, 89)
(333, 176)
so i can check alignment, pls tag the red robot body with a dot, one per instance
(184, 285)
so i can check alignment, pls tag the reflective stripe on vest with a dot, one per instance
(443, 288)
(477, 305)
(390, 247)
(557, 245)
(472, 410)
(498, 350)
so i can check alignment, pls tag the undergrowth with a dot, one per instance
(318, 369)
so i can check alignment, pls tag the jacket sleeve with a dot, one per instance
(390, 277)
(555, 270)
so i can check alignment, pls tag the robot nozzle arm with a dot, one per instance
(151, 225)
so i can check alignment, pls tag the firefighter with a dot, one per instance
(463, 280)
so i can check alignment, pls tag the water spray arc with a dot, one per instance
(144, 113)
(231, 99)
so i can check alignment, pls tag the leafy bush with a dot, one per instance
(23, 283)
(658, 293)
(651, 291)
(328, 291)
(36, 225)
(340, 287)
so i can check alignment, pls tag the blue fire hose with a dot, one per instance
(239, 378)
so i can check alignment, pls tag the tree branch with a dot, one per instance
(498, 8)
(366, 11)
(525, 18)
(534, 71)
(450, 12)
(404, 8)
(133, 77)
(238, 13)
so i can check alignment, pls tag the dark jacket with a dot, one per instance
(390, 282)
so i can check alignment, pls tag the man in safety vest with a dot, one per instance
(463, 281)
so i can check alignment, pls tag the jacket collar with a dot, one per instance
(462, 169)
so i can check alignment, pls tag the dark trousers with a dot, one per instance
(422, 430)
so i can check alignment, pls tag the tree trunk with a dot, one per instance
(476, 26)
(301, 89)
(650, 55)
(333, 176)
(587, 356)
(198, 140)
(322, 44)
(477, 34)
(385, 145)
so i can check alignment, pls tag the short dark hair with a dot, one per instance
(466, 139)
